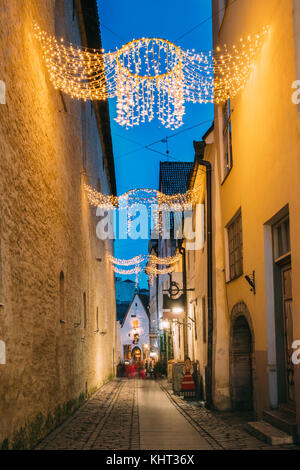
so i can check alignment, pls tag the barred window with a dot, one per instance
(235, 246)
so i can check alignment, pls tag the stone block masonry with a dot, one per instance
(51, 285)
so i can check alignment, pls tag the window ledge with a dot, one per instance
(281, 260)
(235, 278)
(225, 177)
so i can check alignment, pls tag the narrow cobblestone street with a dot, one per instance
(142, 415)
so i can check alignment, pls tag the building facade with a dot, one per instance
(260, 209)
(245, 329)
(57, 299)
(134, 334)
(173, 179)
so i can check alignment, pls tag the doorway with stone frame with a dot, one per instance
(241, 359)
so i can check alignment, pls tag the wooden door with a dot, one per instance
(287, 297)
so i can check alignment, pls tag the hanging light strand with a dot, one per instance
(137, 260)
(175, 202)
(151, 76)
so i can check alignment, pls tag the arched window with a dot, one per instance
(61, 294)
(84, 310)
(2, 353)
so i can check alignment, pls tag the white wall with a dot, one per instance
(127, 332)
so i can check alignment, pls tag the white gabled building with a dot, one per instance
(135, 330)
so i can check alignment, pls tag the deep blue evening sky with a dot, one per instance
(169, 19)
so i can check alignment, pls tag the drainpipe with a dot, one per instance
(184, 285)
(208, 379)
(157, 317)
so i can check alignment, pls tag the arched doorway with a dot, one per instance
(241, 363)
(136, 355)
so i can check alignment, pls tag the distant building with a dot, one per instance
(174, 178)
(134, 331)
(125, 290)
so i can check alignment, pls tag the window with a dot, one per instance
(135, 324)
(281, 237)
(127, 352)
(235, 247)
(2, 353)
(204, 319)
(1, 280)
(61, 295)
(84, 310)
(195, 323)
(227, 139)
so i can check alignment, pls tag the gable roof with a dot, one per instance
(122, 308)
(142, 302)
(174, 177)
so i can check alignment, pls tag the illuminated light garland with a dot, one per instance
(153, 260)
(128, 262)
(127, 272)
(153, 271)
(97, 199)
(176, 202)
(150, 75)
(163, 261)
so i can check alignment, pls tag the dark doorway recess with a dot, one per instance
(241, 365)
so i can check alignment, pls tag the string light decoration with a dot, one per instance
(128, 262)
(163, 261)
(127, 272)
(150, 76)
(150, 269)
(153, 271)
(176, 202)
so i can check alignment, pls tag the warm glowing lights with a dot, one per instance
(167, 260)
(176, 202)
(127, 262)
(151, 269)
(148, 75)
(151, 75)
(127, 272)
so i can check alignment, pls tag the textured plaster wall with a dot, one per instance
(47, 227)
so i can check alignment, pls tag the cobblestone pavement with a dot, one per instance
(110, 420)
(223, 430)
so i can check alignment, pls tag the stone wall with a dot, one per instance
(48, 233)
